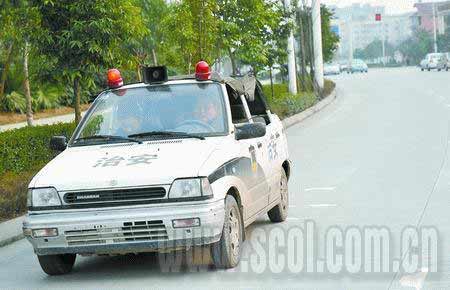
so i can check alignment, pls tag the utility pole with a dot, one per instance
(292, 68)
(383, 44)
(435, 28)
(350, 44)
(317, 39)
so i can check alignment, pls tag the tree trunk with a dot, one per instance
(26, 85)
(271, 80)
(77, 99)
(6, 69)
(138, 72)
(302, 51)
(155, 60)
(233, 62)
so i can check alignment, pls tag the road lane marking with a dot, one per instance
(320, 189)
(292, 206)
(323, 205)
(292, 219)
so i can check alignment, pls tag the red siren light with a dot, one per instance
(202, 71)
(114, 78)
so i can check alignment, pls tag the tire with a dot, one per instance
(57, 264)
(279, 213)
(422, 69)
(226, 253)
(429, 69)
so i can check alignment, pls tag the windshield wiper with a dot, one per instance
(166, 134)
(108, 138)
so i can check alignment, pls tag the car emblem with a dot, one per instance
(88, 196)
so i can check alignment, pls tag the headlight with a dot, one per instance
(42, 197)
(190, 187)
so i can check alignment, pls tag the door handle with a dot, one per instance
(259, 144)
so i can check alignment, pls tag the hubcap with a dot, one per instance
(234, 231)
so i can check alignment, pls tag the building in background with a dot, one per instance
(358, 28)
(423, 18)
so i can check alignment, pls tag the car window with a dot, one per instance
(236, 106)
(258, 107)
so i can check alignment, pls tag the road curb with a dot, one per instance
(295, 119)
(11, 231)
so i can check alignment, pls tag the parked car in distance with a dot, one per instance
(447, 64)
(332, 69)
(358, 65)
(344, 66)
(432, 61)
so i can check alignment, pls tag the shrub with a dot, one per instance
(329, 86)
(13, 192)
(285, 104)
(47, 97)
(23, 152)
(13, 102)
(24, 148)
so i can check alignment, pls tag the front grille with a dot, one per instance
(130, 232)
(118, 195)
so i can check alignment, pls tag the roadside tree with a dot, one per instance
(86, 37)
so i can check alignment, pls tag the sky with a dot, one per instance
(392, 6)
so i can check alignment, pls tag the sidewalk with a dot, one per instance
(44, 121)
(11, 231)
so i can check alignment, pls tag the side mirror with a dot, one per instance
(58, 143)
(250, 131)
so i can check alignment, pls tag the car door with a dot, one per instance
(269, 145)
(257, 168)
(276, 152)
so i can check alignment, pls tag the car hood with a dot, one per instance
(125, 165)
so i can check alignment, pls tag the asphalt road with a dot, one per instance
(378, 156)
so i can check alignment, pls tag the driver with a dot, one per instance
(208, 112)
(128, 122)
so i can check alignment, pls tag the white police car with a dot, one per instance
(160, 166)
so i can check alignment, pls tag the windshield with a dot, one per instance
(178, 108)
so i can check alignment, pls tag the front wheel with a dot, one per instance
(57, 264)
(280, 211)
(226, 253)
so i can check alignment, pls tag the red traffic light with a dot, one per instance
(378, 17)
(202, 71)
(114, 78)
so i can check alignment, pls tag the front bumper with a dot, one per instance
(126, 230)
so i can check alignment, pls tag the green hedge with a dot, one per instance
(285, 104)
(23, 152)
(28, 147)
